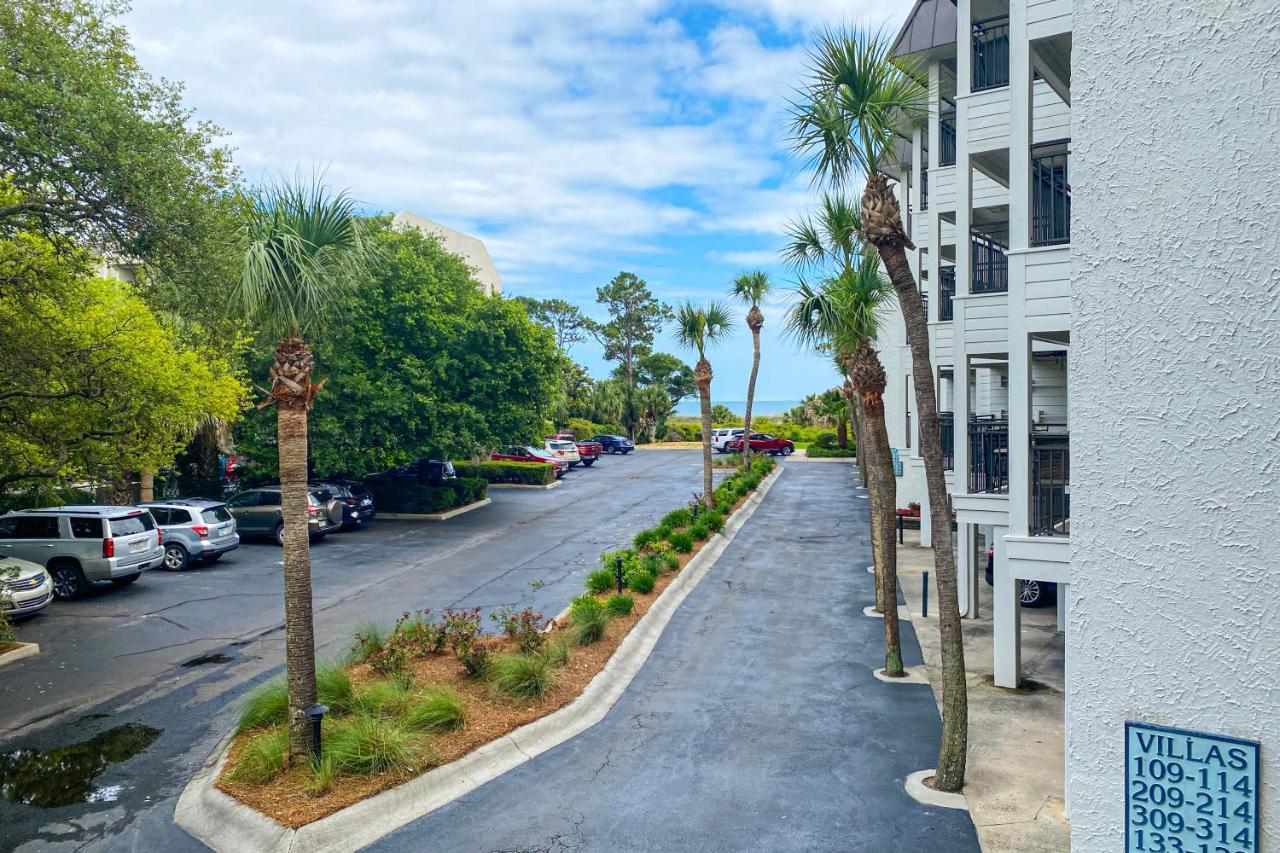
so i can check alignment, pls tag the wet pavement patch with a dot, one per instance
(216, 657)
(64, 776)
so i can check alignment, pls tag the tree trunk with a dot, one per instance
(702, 375)
(122, 489)
(859, 437)
(883, 224)
(842, 433)
(755, 320)
(146, 487)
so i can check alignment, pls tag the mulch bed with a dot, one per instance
(8, 647)
(489, 716)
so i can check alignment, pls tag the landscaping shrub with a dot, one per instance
(439, 709)
(267, 705)
(645, 538)
(830, 453)
(522, 675)
(681, 541)
(522, 627)
(672, 560)
(677, 518)
(826, 441)
(369, 641)
(519, 473)
(674, 433)
(601, 581)
(333, 688)
(654, 564)
(619, 604)
(387, 697)
(323, 772)
(713, 519)
(462, 629)
(556, 650)
(263, 757)
(411, 496)
(701, 530)
(589, 619)
(640, 580)
(363, 744)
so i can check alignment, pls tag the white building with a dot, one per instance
(465, 245)
(1136, 345)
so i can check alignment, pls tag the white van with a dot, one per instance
(721, 437)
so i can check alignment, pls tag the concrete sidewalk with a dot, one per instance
(755, 725)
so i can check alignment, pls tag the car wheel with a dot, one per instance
(125, 581)
(588, 462)
(1032, 593)
(176, 557)
(68, 581)
(280, 535)
(787, 451)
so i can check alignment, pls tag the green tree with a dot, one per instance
(636, 317)
(608, 401)
(653, 405)
(303, 249)
(722, 414)
(857, 101)
(699, 328)
(565, 320)
(91, 383)
(94, 151)
(751, 288)
(666, 370)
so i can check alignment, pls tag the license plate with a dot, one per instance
(366, 502)
(224, 530)
(137, 546)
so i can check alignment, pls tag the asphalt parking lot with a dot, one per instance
(176, 651)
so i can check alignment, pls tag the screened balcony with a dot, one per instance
(1050, 480)
(990, 53)
(988, 455)
(989, 266)
(1050, 195)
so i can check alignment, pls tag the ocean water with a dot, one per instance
(689, 406)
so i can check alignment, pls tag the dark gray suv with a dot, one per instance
(257, 513)
(195, 530)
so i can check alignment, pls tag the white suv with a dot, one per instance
(721, 437)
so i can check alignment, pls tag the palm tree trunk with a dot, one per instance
(702, 374)
(883, 224)
(754, 320)
(859, 438)
(842, 433)
(883, 494)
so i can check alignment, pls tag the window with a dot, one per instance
(29, 527)
(244, 499)
(176, 516)
(161, 515)
(216, 514)
(268, 499)
(128, 525)
(86, 528)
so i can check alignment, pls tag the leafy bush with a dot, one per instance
(601, 581)
(830, 453)
(654, 564)
(439, 709)
(263, 756)
(410, 496)
(589, 620)
(363, 744)
(619, 604)
(701, 530)
(826, 441)
(713, 519)
(645, 538)
(267, 705)
(369, 641)
(522, 675)
(674, 433)
(681, 541)
(677, 518)
(462, 630)
(522, 627)
(640, 580)
(519, 473)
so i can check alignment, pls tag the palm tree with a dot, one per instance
(303, 248)
(858, 101)
(842, 316)
(698, 328)
(750, 288)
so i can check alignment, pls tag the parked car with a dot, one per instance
(195, 530)
(257, 513)
(615, 443)
(355, 500)
(763, 443)
(566, 450)
(588, 451)
(79, 545)
(28, 586)
(1031, 593)
(721, 437)
(523, 453)
(426, 470)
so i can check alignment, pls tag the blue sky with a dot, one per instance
(577, 138)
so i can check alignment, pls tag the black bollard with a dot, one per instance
(617, 567)
(924, 605)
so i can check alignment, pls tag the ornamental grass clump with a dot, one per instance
(267, 705)
(645, 538)
(655, 564)
(386, 698)
(588, 619)
(640, 580)
(333, 688)
(677, 518)
(263, 756)
(517, 674)
(681, 541)
(619, 604)
(714, 520)
(362, 744)
(701, 530)
(438, 709)
(600, 581)
(556, 650)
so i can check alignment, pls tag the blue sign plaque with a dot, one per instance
(1189, 792)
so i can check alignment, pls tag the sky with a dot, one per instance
(576, 138)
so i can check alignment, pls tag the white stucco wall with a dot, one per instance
(1174, 389)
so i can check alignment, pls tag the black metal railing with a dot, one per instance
(1050, 481)
(1050, 198)
(947, 438)
(988, 454)
(946, 292)
(947, 134)
(990, 53)
(989, 267)
(924, 190)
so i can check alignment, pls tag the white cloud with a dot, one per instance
(751, 258)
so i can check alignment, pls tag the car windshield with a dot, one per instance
(562, 445)
(216, 514)
(541, 454)
(322, 495)
(128, 525)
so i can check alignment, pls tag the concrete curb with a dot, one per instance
(920, 792)
(435, 516)
(523, 485)
(23, 651)
(903, 612)
(224, 824)
(914, 675)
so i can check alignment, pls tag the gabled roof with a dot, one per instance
(931, 24)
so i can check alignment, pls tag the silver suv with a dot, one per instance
(195, 530)
(82, 544)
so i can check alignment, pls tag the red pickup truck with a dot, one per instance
(590, 451)
(763, 443)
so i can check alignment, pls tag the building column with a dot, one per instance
(1062, 608)
(1007, 616)
(966, 545)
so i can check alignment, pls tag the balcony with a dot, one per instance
(924, 190)
(990, 54)
(947, 136)
(947, 437)
(989, 267)
(988, 455)
(1050, 481)
(946, 292)
(1050, 195)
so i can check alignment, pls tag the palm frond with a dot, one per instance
(750, 288)
(696, 327)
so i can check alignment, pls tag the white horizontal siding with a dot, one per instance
(1048, 277)
(990, 391)
(948, 231)
(1049, 390)
(942, 188)
(986, 323)
(944, 342)
(1045, 17)
(1051, 118)
(988, 120)
(986, 192)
